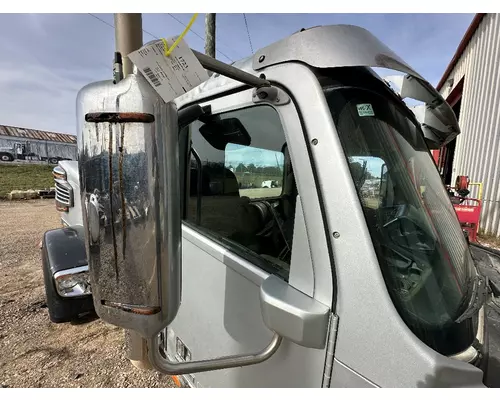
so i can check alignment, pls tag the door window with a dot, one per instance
(242, 188)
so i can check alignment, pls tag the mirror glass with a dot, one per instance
(369, 173)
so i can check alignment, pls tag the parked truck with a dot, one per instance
(325, 285)
(18, 151)
(23, 151)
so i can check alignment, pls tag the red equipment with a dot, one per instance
(468, 209)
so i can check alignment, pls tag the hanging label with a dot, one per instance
(170, 76)
(365, 110)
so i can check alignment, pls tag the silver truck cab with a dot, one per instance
(317, 282)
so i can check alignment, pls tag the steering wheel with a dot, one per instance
(406, 234)
(394, 214)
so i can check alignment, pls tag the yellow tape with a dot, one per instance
(174, 45)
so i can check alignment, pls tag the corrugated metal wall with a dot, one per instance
(43, 148)
(477, 152)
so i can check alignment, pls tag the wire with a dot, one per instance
(100, 19)
(183, 24)
(248, 32)
(112, 26)
(188, 27)
(156, 37)
(197, 34)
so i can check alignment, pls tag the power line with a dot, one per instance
(197, 34)
(100, 19)
(248, 32)
(112, 26)
(156, 37)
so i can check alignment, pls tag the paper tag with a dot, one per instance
(365, 110)
(170, 76)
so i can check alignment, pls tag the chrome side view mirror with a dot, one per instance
(130, 188)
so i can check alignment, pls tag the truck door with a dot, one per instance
(235, 235)
(20, 150)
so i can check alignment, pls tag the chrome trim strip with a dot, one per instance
(330, 351)
(71, 271)
(220, 253)
(64, 193)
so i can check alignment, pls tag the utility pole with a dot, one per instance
(210, 35)
(128, 38)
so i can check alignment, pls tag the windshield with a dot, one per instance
(419, 243)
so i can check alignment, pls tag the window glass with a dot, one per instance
(242, 188)
(259, 172)
(419, 243)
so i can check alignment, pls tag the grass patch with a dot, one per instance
(24, 177)
(489, 240)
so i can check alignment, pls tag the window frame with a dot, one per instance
(230, 102)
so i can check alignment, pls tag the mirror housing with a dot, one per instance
(438, 120)
(130, 192)
(292, 314)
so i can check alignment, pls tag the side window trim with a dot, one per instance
(218, 242)
(199, 183)
(244, 267)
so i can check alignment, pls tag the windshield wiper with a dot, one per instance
(477, 299)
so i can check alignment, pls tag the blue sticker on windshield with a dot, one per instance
(365, 110)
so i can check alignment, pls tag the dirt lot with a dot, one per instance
(35, 352)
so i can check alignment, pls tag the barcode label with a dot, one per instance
(152, 76)
(170, 76)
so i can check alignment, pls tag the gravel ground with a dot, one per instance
(35, 352)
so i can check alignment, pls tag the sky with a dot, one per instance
(47, 58)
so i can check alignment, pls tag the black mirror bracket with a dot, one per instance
(272, 95)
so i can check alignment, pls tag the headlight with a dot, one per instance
(59, 173)
(73, 282)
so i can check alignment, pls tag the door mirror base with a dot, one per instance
(292, 314)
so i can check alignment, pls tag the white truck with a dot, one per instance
(320, 286)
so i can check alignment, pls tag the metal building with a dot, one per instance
(31, 145)
(471, 84)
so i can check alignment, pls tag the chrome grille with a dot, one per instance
(64, 193)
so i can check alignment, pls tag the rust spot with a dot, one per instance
(131, 308)
(120, 117)
(122, 192)
(110, 166)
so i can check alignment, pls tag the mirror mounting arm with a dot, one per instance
(164, 366)
(229, 71)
